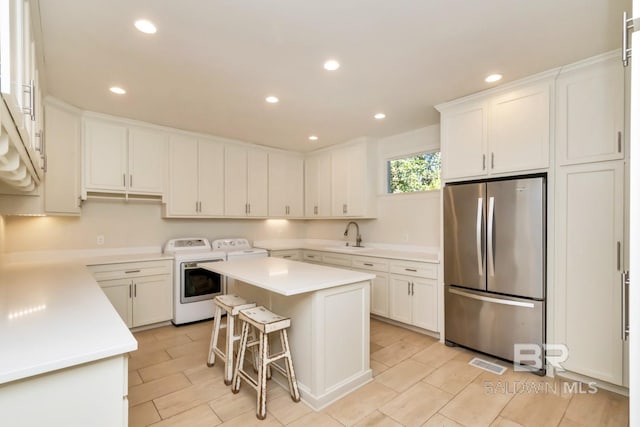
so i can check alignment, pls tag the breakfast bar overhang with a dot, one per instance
(329, 311)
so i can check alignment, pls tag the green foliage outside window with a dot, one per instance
(416, 173)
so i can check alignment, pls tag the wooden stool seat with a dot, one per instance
(231, 304)
(265, 322)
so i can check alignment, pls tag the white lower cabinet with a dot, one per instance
(380, 294)
(290, 254)
(88, 394)
(413, 293)
(141, 292)
(414, 301)
(589, 263)
(405, 291)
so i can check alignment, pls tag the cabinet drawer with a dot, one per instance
(130, 269)
(312, 256)
(413, 268)
(293, 254)
(367, 263)
(337, 259)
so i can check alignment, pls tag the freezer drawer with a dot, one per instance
(492, 323)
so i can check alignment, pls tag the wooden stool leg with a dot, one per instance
(291, 376)
(228, 365)
(261, 411)
(235, 382)
(214, 337)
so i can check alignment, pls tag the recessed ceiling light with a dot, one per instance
(313, 138)
(117, 90)
(145, 26)
(380, 116)
(331, 65)
(493, 78)
(271, 99)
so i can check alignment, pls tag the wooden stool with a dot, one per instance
(265, 322)
(231, 304)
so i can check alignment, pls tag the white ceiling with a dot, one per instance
(212, 62)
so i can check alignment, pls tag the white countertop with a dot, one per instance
(54, 316)
(389, 252)
(286, 277)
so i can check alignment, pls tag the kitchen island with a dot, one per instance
(329, 311)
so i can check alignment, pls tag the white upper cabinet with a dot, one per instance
(497, 132)
(464, 128)
(351, 181)
(147, 161)
(519, 129)
(124, 160)
(285, 185)
(590, 112)
(19, 82)
(105, 150)
(62, 183)
(196, 177)
(317, 185)
(246, 181)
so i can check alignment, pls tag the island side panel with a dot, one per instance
(329, 338)
(343, 336)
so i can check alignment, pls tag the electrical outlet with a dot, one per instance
(100, 239)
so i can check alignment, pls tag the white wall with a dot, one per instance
(412, 219)
(126, 224)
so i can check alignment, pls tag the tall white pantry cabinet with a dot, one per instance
(591, 206)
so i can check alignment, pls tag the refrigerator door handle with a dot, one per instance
(479, 237)
(490, 248)
(492, 300)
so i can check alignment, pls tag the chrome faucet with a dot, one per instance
(358, 237)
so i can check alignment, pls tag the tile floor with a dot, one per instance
(417, 382)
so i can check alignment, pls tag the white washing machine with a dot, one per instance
(194, 287)
(235, 249)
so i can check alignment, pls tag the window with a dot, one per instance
(419, 172)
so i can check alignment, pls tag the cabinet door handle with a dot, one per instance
(286, 256)
(132, 271)
(368, 264)
(625, 285)
(484, 161)
(130, 291)
(413, 270)
(31, 90)
(412, 288)
(408, 288)
(130, 180)
(196, 206)
(315, 210)
(344, 208)
(311, 256)
(249, 208)
(618, 250)
(627, 24)
(124, 179)
(492, 162)
(619, 142)
(135, 290)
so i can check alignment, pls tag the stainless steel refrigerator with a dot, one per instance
(494, 264)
